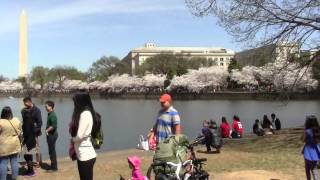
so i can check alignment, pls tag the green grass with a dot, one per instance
(280, 153)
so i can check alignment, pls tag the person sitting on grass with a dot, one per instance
(257, 128)
(275, 122)
(267, 125)
(237, 131)
(225, 128)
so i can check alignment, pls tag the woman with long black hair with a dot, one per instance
(311, 151)
(84, 125)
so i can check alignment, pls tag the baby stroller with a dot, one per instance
(175, 160)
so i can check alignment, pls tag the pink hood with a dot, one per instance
(136, 172)
(135, 161)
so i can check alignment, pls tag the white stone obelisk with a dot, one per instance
(23, 45)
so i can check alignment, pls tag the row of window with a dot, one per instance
(221, 59)
(215, 59)
(221, 64)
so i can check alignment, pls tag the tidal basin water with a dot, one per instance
(125, 120)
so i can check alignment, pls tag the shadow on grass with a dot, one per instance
(206, 152)
(22, 170)
(23, 167)
(45, 166)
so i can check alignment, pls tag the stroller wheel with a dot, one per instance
(161, 177)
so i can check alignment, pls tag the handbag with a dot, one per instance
(72, 151)
(152, 142)
(20, 137)
(143, 144)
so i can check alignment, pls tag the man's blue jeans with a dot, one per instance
(4, 166)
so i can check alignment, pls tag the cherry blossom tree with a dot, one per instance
(197, 80)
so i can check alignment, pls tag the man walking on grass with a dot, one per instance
(168, 120)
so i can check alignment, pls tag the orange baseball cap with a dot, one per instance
(165, 98)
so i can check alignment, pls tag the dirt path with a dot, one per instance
(255, 175)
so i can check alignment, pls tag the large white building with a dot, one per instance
(137, 56)
(266, 54)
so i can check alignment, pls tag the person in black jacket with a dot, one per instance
(257, 128)
(275, 121)
(35, 115)
(267, 125)
(29, 140)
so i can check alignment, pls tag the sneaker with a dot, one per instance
(30, 174)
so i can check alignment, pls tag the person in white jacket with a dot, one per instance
(85, 125)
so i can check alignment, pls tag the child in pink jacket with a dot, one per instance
(134, 164)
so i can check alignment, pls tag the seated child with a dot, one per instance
(134, 164)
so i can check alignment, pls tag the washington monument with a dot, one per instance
(23, 45)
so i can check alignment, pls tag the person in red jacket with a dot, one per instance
(225, 128)
(237, 131)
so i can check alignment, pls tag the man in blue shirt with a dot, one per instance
(168, 120)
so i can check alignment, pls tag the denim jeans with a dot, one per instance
(51, 139)
(4, 166)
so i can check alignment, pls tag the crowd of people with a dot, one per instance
(212, 133)
(267, 126)
(23, 138)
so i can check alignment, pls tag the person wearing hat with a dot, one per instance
(168, 120)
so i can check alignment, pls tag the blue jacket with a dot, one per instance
(311, 149)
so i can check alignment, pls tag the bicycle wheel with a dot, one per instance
(202, 175)
(150, 173)
(152, 176)
(162, 177)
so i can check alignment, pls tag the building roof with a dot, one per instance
(150, 47)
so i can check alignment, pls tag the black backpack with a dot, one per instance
(97, 139)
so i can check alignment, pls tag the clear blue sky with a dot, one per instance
(78, 32)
